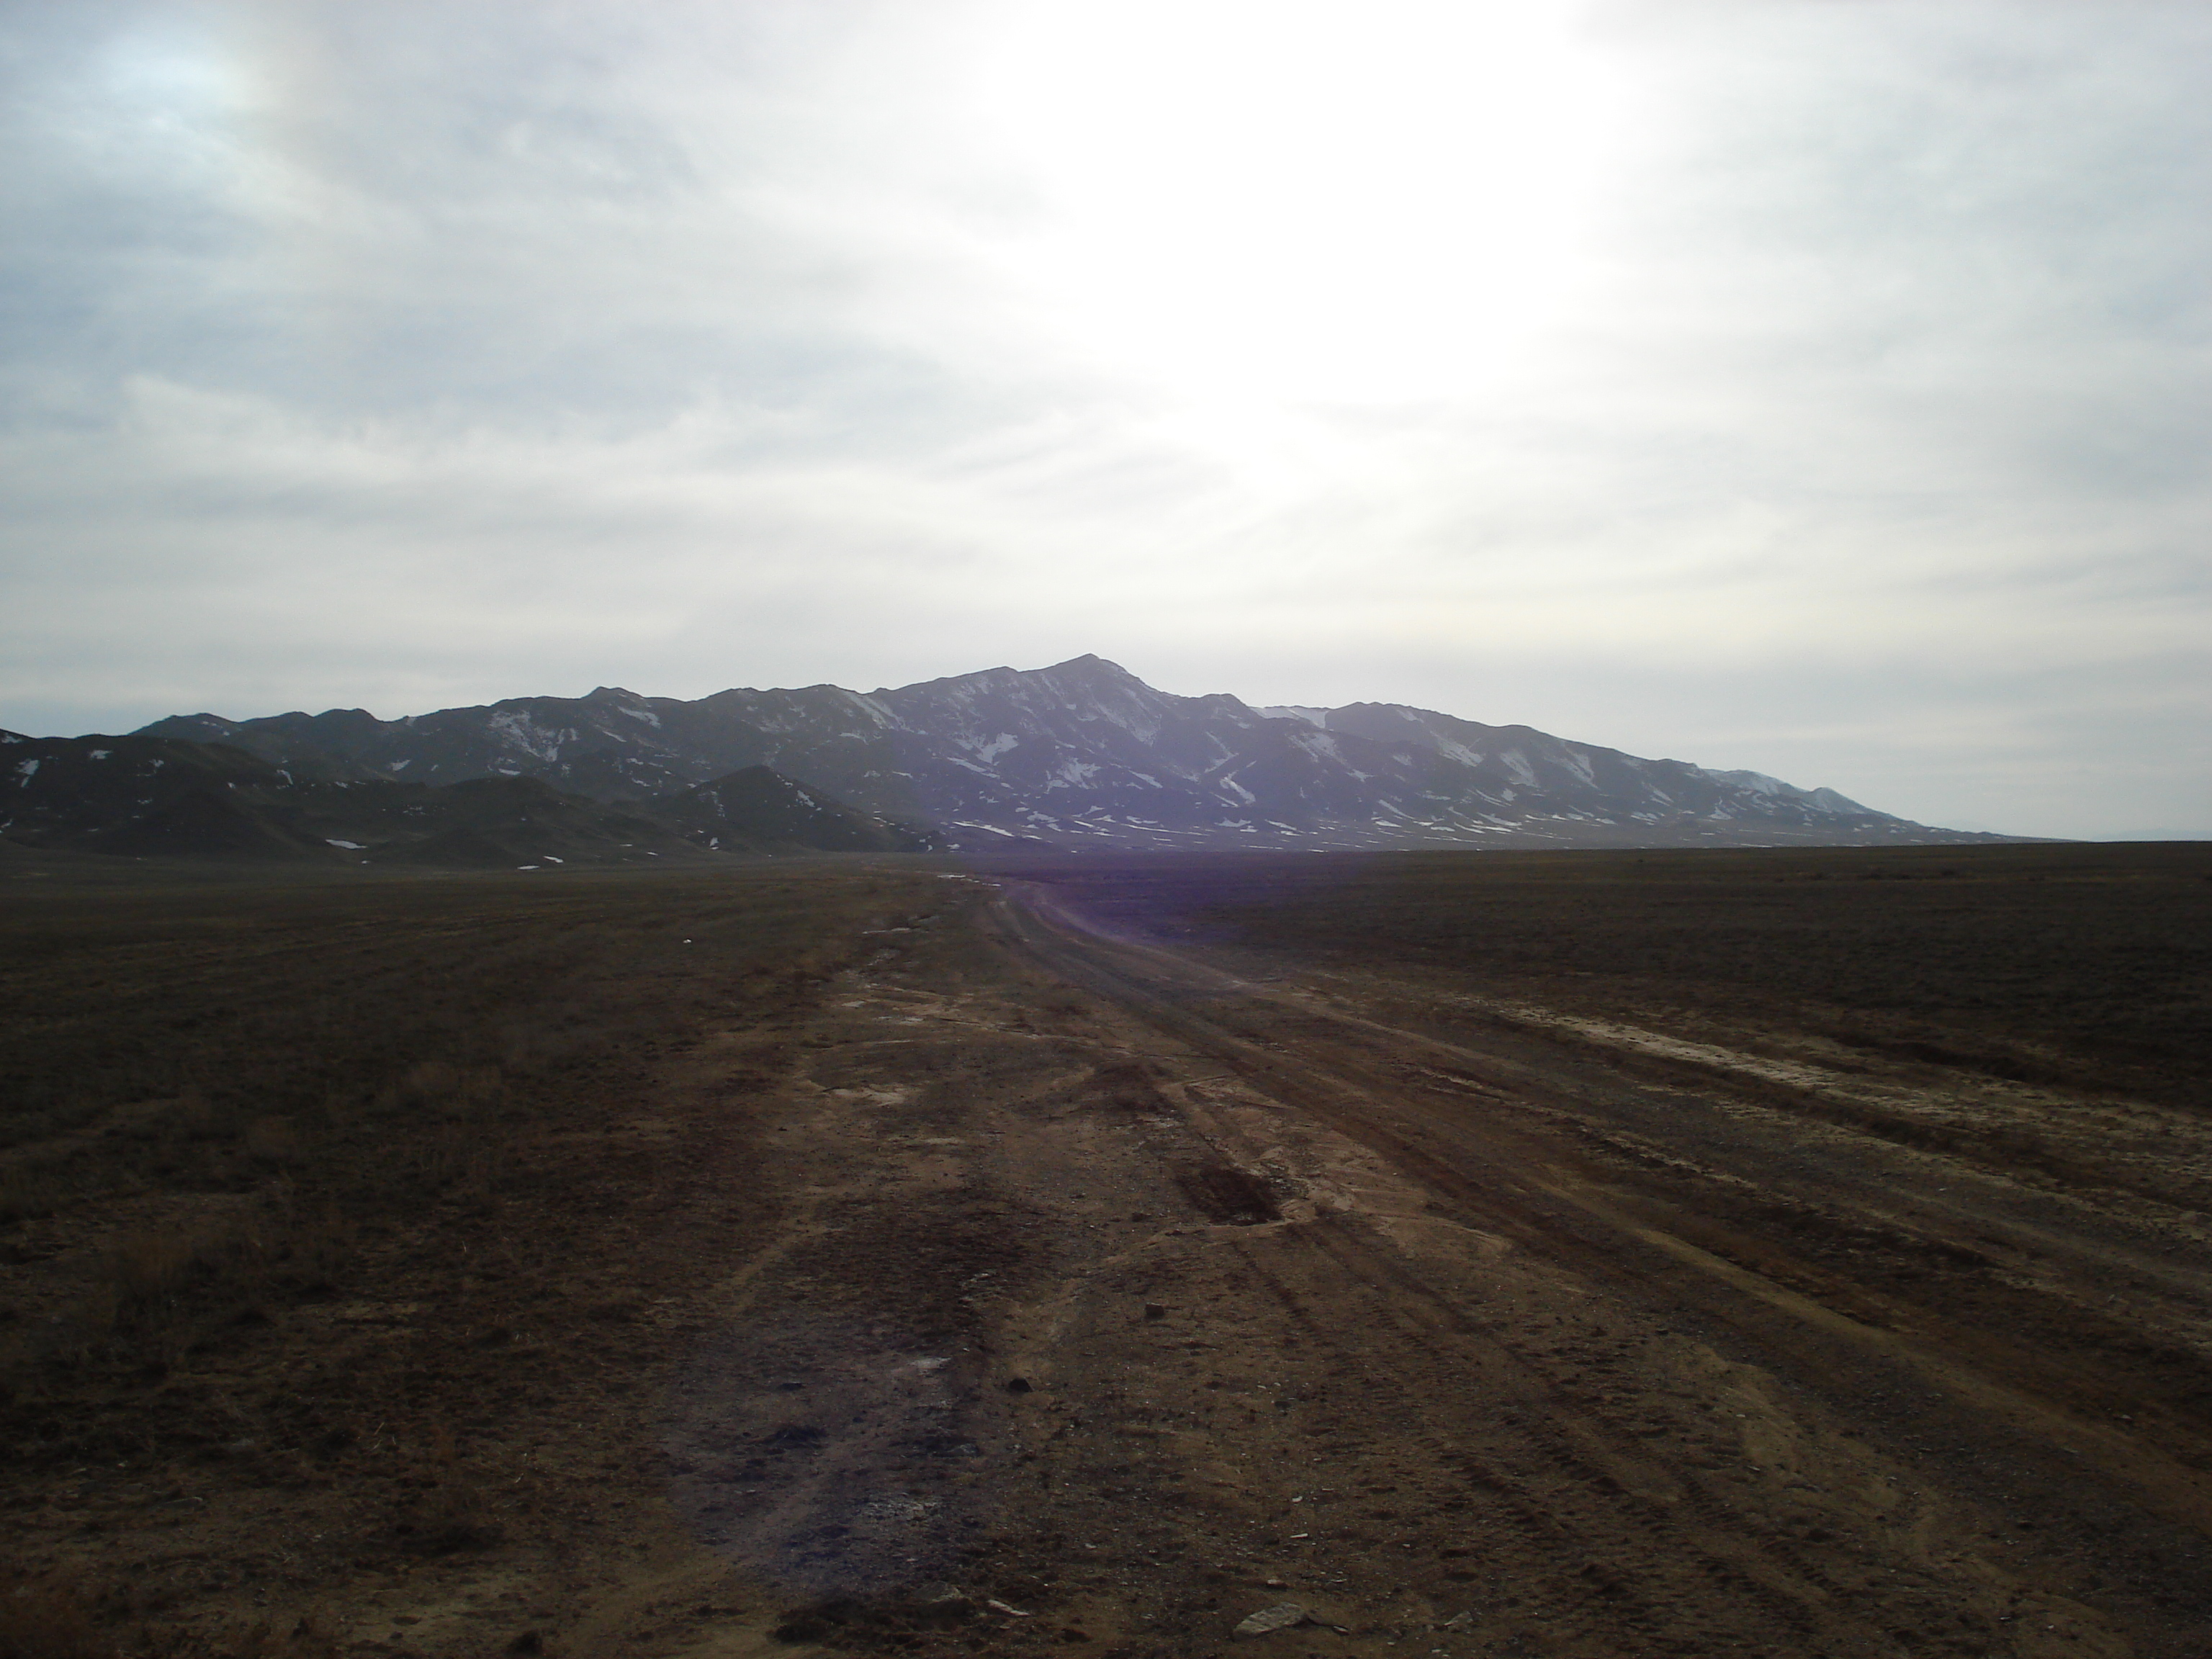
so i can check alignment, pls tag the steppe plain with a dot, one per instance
(1798, 1252)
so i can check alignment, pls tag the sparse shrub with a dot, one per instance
(431, 1080)
(154, 1285)
(28, 1191)
(451, 1518)
(319, 1250)
(460, 1161)
(149, 1270)
(482, 1089)
(535, 1045)
(310, 1637)
(192, 1116)
(48, 1618)
(275, 1141)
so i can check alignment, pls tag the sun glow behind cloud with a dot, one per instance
(1298, 204)
(1544, 361)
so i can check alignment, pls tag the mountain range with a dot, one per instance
(172, 798)
(1082, 754)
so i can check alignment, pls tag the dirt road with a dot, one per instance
(1177, 1296)
(1019, 1282)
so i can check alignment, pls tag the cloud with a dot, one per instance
(1808, 387)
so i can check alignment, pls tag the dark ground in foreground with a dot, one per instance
(1592, 1253)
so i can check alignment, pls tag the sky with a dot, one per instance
(1815, 387)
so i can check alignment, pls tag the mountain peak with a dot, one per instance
(1083, 753)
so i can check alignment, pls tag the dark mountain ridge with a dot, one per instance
(168, 797)
(1084, 753)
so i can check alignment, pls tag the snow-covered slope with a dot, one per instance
(1084, 753)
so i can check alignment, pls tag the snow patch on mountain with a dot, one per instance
(1081, 752)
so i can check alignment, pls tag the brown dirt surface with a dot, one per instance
(1585, 1254)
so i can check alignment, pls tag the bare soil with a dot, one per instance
(1571, 1254)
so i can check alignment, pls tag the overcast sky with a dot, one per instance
(1811, 386)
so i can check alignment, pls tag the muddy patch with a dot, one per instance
(1221, 1192)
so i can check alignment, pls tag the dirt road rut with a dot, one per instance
(1122, 1297)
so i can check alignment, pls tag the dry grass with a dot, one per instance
(2040, 963)
(313, 1190)
(28, 1191)
(49, 1619)
(54, 1617)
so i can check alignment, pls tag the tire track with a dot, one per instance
(1481, 1135)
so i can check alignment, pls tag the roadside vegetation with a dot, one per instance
(845, 1253)
(2061, 963)
(307, 1185)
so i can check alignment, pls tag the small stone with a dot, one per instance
(1019, 1385)
(1462, 1621)
(1283, 1615)
(1155, 1310)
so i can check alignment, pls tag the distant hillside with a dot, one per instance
(1084, 753)
(171, 797)
(756, 807)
